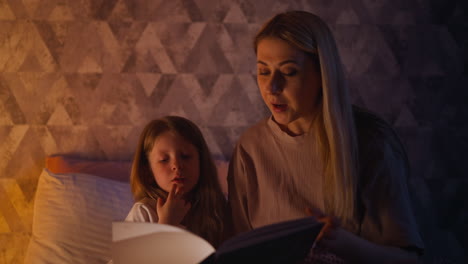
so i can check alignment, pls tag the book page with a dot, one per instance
(126, 230)
(156, 243)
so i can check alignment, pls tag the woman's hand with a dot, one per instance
(353, 248)
(330, 225)
(172, 210)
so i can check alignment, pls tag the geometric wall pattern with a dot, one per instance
(84, 77)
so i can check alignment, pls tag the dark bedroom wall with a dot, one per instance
(84, 76)
(441, 110)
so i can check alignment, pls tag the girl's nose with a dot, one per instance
(176, 165)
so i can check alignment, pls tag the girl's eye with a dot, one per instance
(186, 156)
(163, 160)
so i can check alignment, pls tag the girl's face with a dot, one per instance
(289, 82)
(174, 160)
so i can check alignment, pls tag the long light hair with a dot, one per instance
(206, 213)
(334, 125)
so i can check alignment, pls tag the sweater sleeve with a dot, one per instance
(237, 192)
(387, 215)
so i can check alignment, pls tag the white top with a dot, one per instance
(143, 211)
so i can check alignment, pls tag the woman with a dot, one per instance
(318, 153)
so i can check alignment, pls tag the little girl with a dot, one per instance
(174, 179)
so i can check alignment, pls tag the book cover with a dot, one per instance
(284, 242)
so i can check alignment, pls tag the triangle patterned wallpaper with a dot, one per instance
(84, 77)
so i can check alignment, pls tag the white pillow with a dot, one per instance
(73, 216)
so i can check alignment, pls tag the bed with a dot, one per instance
(76, 201)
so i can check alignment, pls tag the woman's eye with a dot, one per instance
(263, 72)
(290, 73)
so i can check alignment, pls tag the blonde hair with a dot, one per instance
(206, 214)
(334, 125)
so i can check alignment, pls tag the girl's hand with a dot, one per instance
(173, 210)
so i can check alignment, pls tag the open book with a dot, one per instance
(285, 242)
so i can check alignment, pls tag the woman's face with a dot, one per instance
(289, 82)
(174, 160)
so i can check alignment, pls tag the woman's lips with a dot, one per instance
(279, 107)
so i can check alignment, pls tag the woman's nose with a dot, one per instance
(275, 84)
